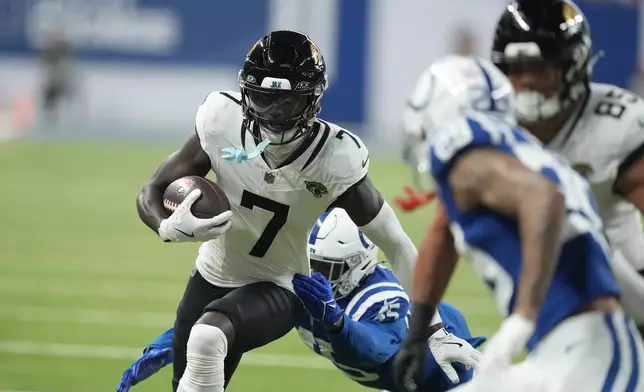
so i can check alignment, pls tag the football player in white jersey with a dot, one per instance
(529, 225)
(545, 49)
(280, 167)
(350, 284)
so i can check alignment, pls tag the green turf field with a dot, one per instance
(84, 285)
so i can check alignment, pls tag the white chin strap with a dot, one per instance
(532, 106)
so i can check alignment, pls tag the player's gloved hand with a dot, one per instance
(317, 296)
(447, 348)
(409, 362)
(413, 199)
(149, 363)
(182, 226)
(507, 343)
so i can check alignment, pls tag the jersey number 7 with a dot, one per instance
(280, 214)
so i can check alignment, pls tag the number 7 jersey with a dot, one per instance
(273, 209)
(491, 241)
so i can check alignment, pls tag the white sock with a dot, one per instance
(207, 348)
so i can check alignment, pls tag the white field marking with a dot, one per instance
(11, 390)
(41, 314)
(31, 348)
(90, 288)
(93, 271)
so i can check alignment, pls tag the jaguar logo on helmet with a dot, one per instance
(316, 55)
(573, 19)
(251, 79)
(570, 14)
(318, 190)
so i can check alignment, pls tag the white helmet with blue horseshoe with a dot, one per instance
(449, 87)
(339, 250)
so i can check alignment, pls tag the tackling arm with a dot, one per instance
(375, 218)
(437, 258)
(490, 178)
(368, 343)
(190, 159)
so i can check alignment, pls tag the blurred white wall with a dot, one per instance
(406, 36)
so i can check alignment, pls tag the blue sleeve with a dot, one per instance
(162, 341)
(375, 322)
(368, 343)
(463, 135)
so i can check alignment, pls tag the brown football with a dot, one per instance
(212, 202)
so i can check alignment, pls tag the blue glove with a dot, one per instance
(149, 363)
(317, 296)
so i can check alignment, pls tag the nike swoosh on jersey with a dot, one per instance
(456, 343)
(186, 234)
(364, 163)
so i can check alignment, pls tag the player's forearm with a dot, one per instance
(363, 344)
(162, 341)
(386, 232)
(437, 260)
(149, 205)
(541, 217)
(190, 159)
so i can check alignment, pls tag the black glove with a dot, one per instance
(409, 363)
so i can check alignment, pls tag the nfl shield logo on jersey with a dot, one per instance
(269, 178)
(317, 189)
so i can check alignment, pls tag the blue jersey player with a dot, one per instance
(357, 314)
(529, 226)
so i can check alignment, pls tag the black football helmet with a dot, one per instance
(282, 82)
(554, 31)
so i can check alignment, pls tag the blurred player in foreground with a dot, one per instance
(598, 127)
(281, 168)
(357, 316)
(528, 223)
(545, 49)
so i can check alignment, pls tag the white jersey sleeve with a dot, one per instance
(344, 163)
(211, 114)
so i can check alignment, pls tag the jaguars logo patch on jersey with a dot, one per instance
(318, 190)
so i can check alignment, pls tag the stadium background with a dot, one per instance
(83, 285)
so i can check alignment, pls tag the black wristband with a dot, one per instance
(434, 328)
(421, 317)
(335, 328)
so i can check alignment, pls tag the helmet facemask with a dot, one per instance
(561, 83)
(283, 115)
(344, 274)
